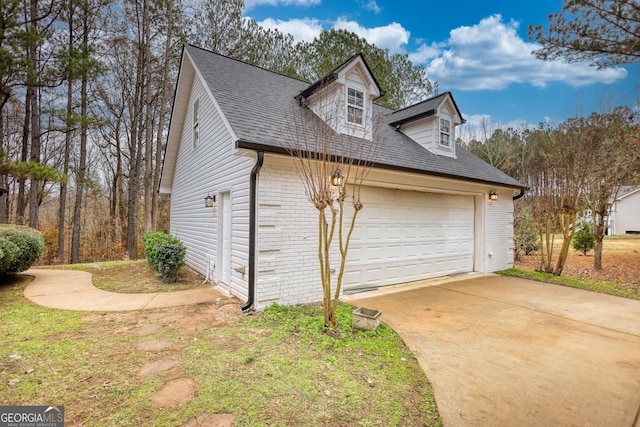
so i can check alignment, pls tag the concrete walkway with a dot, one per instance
(503, 351)
(74, 290)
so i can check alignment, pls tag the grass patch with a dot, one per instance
(276, 368)
(307, 375)
(575, 282)
(133, 277)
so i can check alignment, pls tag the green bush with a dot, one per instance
(8, 253)
(170, 260)
(29, 244)
(164, 253)
(583, 239)
(150, 242)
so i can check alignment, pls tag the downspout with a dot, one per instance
(253, 202)
(519, 195)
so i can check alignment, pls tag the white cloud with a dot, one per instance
(425, 52)
(372, 5)
(248, 4)
(491, 55)
(301, 29)
(392, 36)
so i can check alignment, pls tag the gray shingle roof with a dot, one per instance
(422, 109)
(258, 105)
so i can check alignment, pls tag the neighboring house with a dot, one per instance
(427, 202)
(625, 212)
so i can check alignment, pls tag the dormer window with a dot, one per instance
(445, 132)
(355, 106)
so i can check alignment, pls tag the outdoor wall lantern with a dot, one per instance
(210, 201)
(493, 195)
(337, 180)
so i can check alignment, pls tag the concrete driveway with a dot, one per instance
(501, 351)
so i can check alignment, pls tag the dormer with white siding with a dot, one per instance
(344, 98)
(431, 123)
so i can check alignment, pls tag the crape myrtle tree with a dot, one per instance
(332, 168)
(615, 137)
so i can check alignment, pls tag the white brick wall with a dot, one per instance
(287, 260)
(288, 271)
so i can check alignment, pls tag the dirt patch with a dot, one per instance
(174, 392)
(210, 420)
(147, 329)
(158, 367)
(152, 345)
(203, 316)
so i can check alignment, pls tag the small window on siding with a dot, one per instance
(355, 106)
(445, 133)
(196, 120)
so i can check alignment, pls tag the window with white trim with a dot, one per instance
(445, 132)
(355, 106)
(196, 120)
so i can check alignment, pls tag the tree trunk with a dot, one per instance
(21, 205)
(67, 146)
(567, 224)
(598, 232)
(163, 106)
(4, 190)
(135, 152)
(82, 165)
(34, 190)
(148, 131)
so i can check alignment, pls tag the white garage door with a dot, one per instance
(402, 236)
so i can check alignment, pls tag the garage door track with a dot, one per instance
(502, 351)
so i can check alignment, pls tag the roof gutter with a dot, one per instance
(280, 150)
(253, 202)
(519, 195)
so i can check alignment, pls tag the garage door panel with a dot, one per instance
(402, 236)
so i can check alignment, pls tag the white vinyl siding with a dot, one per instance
(211, 169)
(196, 122)
(624, 214)
(422, 132)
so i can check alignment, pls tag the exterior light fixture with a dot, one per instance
(337, 180)
(493, 195)
(210, 201)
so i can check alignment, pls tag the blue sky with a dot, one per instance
(477, 49)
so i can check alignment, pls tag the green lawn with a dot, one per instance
(278, 368)
(574, 282)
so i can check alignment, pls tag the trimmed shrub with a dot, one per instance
(150, 242)
(583, 239)
(164, 253)
(29, 243)
(170, 260)
(8, 253)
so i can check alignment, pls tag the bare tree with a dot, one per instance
(332, 167)
(614, 137)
